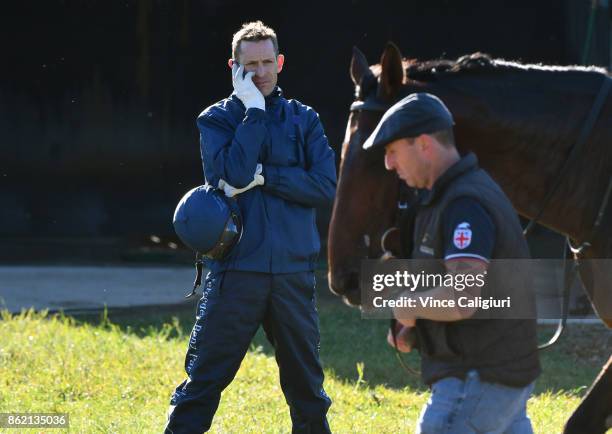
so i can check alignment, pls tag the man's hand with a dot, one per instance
(405, 315)
(403, 336)
(449, 310)
(245, 89)
(231, 191)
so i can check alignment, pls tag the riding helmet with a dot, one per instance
(208, 222)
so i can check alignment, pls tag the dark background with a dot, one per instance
(98, 99)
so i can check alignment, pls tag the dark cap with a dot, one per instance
(418, 113)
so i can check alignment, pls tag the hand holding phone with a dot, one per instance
(245, 89)
(238, 65)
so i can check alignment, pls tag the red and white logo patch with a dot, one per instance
(462, 236)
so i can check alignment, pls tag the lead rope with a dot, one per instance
(407, 201)
(569, 275)
(401, 361)
(576, 252)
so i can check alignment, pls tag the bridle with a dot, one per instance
(374, 104)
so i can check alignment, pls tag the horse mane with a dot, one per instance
(480, 63)
(542, 107)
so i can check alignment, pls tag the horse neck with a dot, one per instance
(521, 137)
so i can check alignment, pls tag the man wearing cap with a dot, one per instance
(271, 155)
(481, 371)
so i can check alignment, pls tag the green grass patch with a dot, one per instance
(115, 373)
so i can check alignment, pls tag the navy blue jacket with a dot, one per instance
(279, 225)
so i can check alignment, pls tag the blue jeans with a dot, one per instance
(473, 406)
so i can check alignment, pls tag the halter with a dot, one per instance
(373, 104)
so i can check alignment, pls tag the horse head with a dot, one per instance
(519, 119)
(367, 194)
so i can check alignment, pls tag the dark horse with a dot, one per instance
(521, 121)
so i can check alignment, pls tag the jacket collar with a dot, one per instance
(274, 97)
(466, 164)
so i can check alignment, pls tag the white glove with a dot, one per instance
(245, 89)
(231, 191)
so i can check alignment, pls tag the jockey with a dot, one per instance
(272, 155)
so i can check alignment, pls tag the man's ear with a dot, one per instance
(230, 63)
(424, 142)
(280, 61)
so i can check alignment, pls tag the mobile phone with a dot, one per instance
(234, 61)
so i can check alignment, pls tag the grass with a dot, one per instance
(115, 373)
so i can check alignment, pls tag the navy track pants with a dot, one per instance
(233, 306)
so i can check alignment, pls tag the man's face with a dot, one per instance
(406, 157)
(259, 57)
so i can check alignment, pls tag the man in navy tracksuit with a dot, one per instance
(272, 155)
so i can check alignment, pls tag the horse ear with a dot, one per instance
(392, 71)
(359, 66)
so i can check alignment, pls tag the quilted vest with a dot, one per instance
(501, 350)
